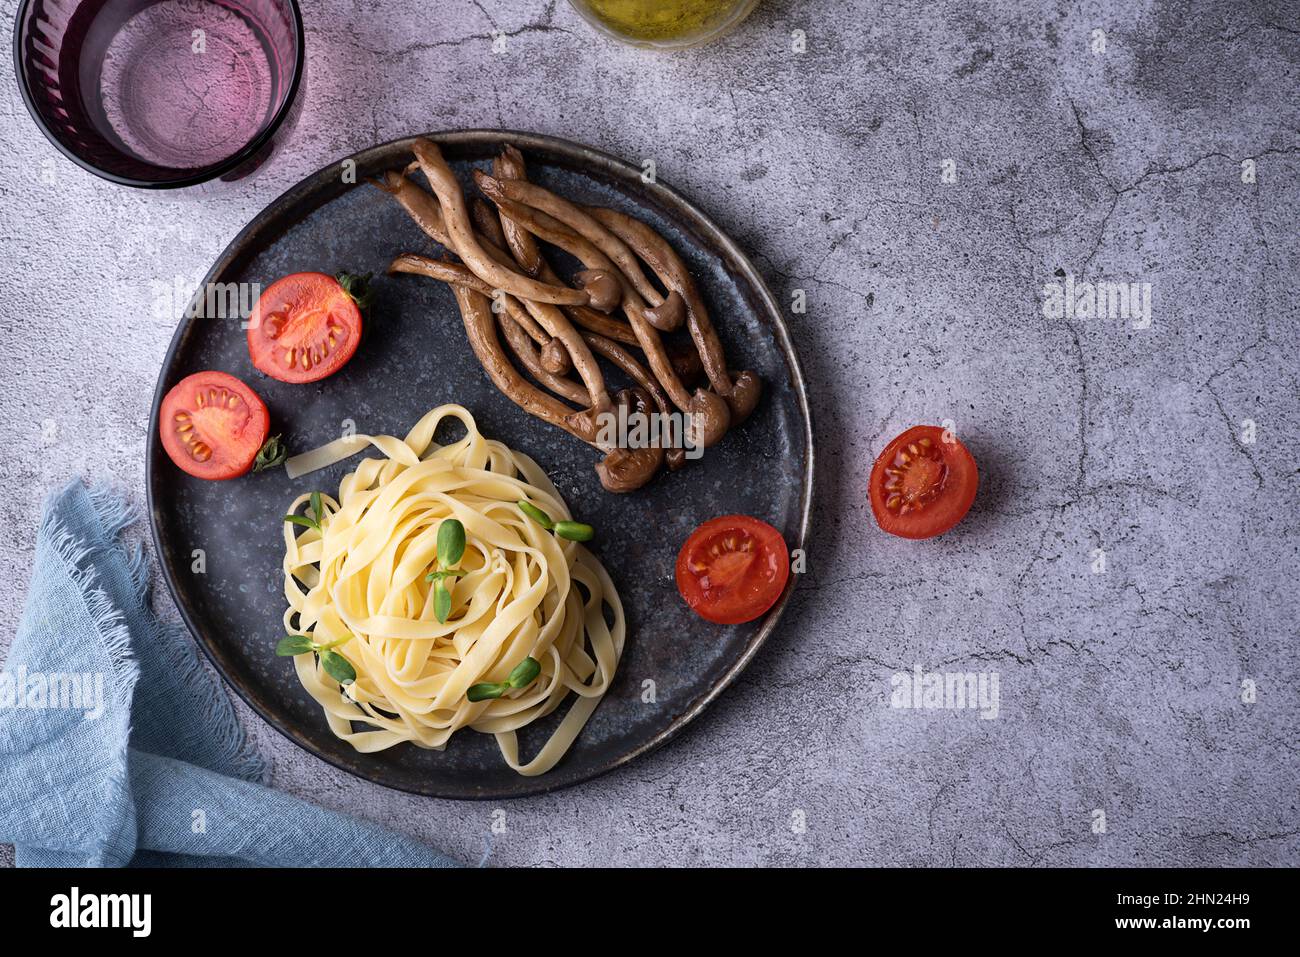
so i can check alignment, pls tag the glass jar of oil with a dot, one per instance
(665, 23)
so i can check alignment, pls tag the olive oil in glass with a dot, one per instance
(665, 23)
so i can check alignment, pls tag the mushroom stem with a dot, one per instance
(589, 318)
(558, 326)
(427, 214)
(488, 222)
(520, 242)
(546, 228)
(476, 312)
(419, 205)
(615, 353)
(437, 221)
(602, 324)
(549, 229)
(450, 272)
(526, 322)
(549, 318)
(527, 354)
(672, 272)
(633, 369)
(465, 244)
(574, 217)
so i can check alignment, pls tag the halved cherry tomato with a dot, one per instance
(923, 483)
(732, 569)
(212, 425)
(304, 327)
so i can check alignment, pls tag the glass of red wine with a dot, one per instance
(161, 93)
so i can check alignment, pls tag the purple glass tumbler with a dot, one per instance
(161, 93)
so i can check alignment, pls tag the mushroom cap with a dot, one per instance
(669, 314)
(555, 358)
(709, 418)
(489, 184)
(626, 470)
(623, 469)
(602, 286)
(746, 390)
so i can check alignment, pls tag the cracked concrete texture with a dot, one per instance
(1120, 692)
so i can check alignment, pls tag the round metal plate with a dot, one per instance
(415, 356)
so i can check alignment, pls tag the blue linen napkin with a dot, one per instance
(117, 747)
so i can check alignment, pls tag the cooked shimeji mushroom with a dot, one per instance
(632, 288)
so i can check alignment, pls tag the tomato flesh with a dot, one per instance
(212, 425)
(923, 483)
(304, 327)
(732, 569)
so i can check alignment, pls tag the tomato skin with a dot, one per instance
(212, 425)
(732, 569)
(291, 326)
(921, 485)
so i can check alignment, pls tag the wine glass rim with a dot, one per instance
(204, 175)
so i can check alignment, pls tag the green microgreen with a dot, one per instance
(573, 531)
(451, 548)
(524, 674)
(316, 512)
(335, 665)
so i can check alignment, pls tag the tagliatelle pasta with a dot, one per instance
(360, 580)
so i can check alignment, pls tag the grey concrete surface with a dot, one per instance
(1121, 691)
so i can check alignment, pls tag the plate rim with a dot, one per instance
(617, 169)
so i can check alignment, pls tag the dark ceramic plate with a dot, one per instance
(414, 357)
